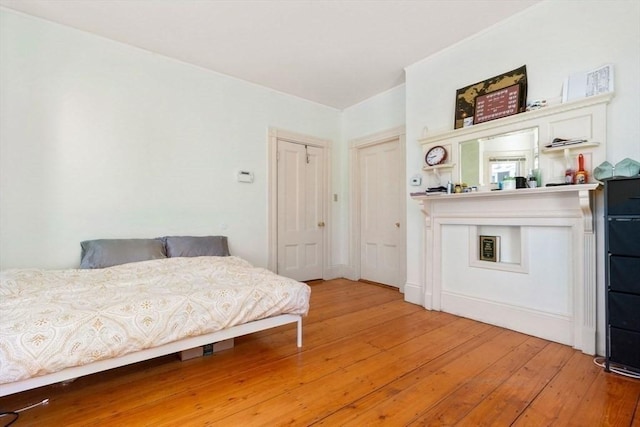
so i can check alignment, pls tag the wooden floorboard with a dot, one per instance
(368, 358)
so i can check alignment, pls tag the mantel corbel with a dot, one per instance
(585, 198)
(427, 216)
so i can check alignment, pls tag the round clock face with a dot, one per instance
(435, 155)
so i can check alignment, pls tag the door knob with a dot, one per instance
(321, 224)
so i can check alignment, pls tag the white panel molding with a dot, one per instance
(521, 267)
(543, 207)
(585, 118)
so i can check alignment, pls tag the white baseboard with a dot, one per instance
(350, 273)
(413, 293)
(548, 326)
(336, 272)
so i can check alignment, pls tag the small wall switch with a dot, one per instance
(416, 181)
(245, 176)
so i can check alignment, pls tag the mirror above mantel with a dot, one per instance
(487, 161)
(483, 153)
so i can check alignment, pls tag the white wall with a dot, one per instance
(377, 114)
(103, 140)
(553, 39)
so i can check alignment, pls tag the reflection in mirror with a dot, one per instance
(488, 161)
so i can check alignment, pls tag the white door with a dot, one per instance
(381, 228)
(300, 210)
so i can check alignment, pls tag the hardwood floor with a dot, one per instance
(368, 358)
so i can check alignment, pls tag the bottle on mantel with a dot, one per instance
(569, 174)
(581, 174)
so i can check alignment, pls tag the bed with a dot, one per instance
(56, 325)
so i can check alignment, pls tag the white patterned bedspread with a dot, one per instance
(54, 319)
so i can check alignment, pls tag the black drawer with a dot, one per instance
(624, 311)
(624, 347)
(624, 274)
(623, 196)
(624, 236)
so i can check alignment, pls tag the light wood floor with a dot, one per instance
(368, 358)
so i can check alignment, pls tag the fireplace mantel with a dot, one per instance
(545, 288)
(582, 190)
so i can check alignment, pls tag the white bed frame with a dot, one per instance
(150, 353)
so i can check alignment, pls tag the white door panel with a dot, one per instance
(300, 210)
(381, 213)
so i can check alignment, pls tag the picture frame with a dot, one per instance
(590, 83)
(489, 248)
(497, 104)
(466, 96)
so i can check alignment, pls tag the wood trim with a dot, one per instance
(378, 137)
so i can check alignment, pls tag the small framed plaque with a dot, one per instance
(497, 104)
(489, 249)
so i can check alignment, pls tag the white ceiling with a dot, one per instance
(335, 53)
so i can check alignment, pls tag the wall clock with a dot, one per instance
(436, 155)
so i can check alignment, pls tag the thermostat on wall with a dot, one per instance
(245, 176)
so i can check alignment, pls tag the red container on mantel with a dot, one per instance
(581, 176)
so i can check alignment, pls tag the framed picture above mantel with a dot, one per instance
(492, 97)
(497, 104)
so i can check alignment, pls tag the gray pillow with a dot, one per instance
(190, 246)
(108, 252)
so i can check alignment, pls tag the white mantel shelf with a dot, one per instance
(559, 283)
(583, 191)
(516, 192)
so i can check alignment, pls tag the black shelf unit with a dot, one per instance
(622, 246)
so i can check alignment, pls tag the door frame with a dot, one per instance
(276, 134)
(355, 239)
